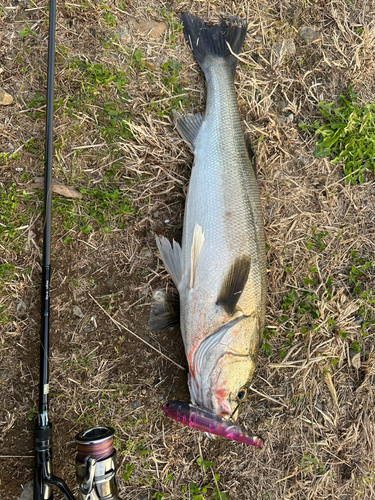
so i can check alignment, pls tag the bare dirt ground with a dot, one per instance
(121, 68)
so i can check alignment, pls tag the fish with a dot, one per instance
(206, 421)
(219, 270)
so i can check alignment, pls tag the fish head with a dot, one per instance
(223, 365)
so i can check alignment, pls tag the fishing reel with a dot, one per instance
(95, 465)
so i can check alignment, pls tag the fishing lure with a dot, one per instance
(207, 421)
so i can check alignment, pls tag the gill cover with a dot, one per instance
(223, 364)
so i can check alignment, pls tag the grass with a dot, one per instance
(100, 209)
(12, 219)
(175, 26)
(194, 490)
(346, 135)
(178, 96)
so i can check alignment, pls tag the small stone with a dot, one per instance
(290, 117)
(5, 99)
(77, 312)
(136, 404)
(123, 34)
(358, 320)
(28, 491)
(286, 48)
(319, 181)
(5, 375)
(309, 35)
(88, 329)
(146, 252)
(153, 29)
(283, 51)
(21, 307)
(355, 358)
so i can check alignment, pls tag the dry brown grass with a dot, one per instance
(313, 407)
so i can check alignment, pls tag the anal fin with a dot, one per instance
(165, 310)
(233, 284)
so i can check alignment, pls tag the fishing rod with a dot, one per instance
(96, 457)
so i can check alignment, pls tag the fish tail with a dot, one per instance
(213, 40)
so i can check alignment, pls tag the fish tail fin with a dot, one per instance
(213, 40)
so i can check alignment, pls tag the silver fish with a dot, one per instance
(220, 269)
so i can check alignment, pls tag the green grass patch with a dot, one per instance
(175, 26)
(97, 95)
(173, 84)
(347, 134)
(6, 157)
(101, 96)
(359, 272)
(316, 241)
(12, 218)
(100, 209)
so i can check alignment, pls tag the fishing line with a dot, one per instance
(96, 442)
(234, 411)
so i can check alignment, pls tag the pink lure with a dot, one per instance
(207, 421)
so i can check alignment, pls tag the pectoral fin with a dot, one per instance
(196, 247)
(233, 284)
(171, 256)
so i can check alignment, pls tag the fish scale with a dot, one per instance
(223, 198)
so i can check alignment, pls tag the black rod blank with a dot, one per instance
(46, 265)
(43, 429)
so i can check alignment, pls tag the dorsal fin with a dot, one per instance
(233, 284)
(196, 247)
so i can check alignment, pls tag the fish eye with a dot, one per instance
(242, 395)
